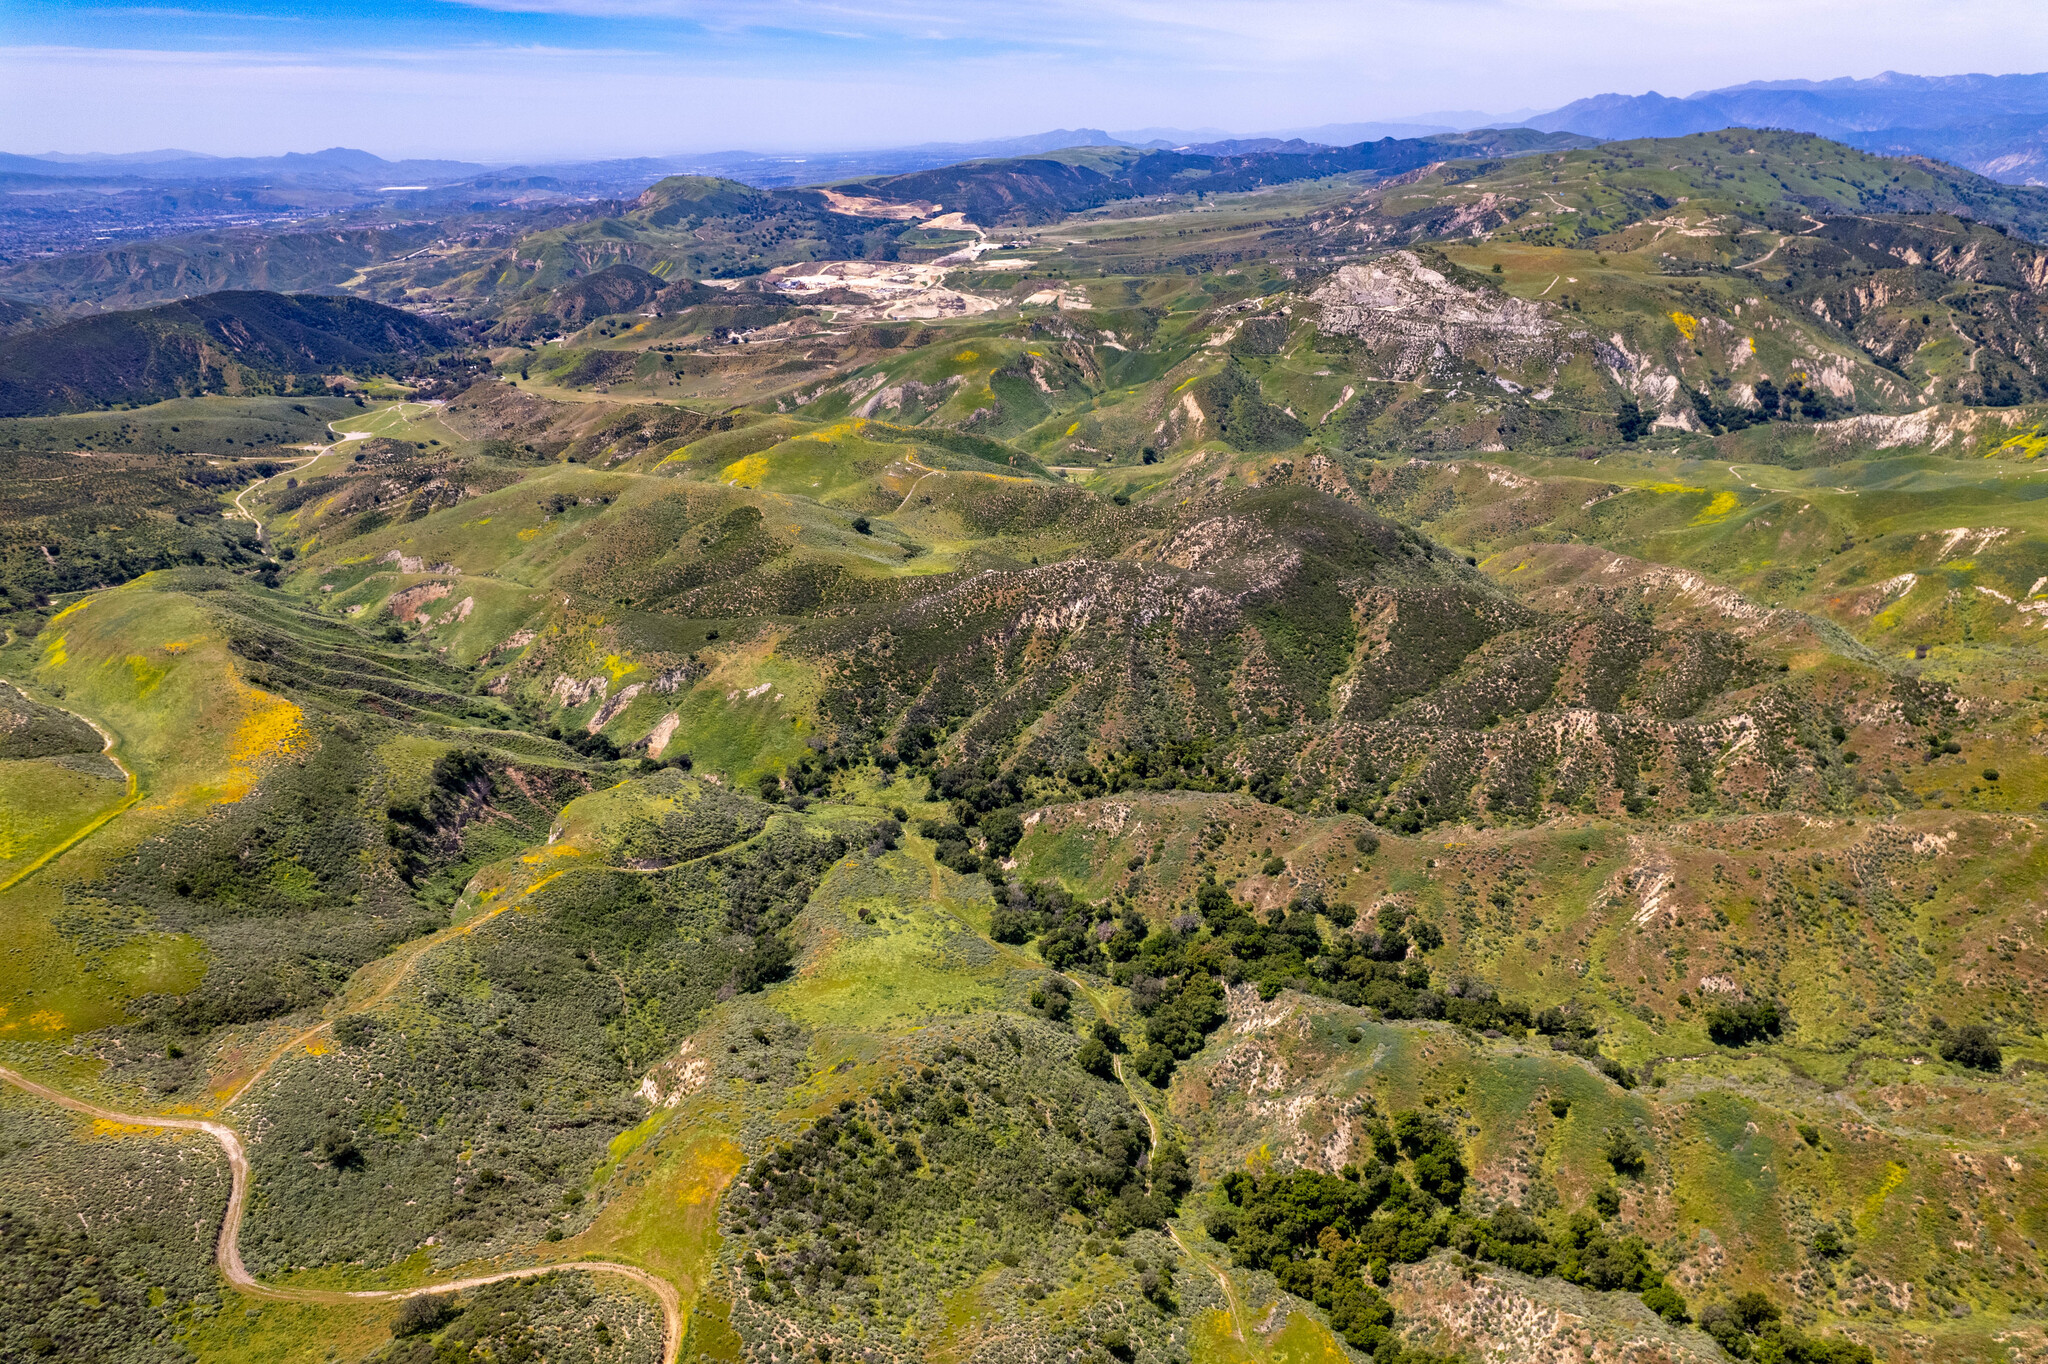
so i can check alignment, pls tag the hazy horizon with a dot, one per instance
(506, 81)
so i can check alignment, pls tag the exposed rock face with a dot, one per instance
(1512, 1320)
(1411, 316)
(412, 603)
(609, 711)
(570, 691)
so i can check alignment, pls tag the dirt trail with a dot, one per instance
(1173, 1232)
(228, 1248)
(399, 968)
(1095, 1001)
(98, 821)
(248, 515)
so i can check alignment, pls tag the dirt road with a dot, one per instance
(228, 1248)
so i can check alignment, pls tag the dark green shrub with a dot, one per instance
(1624, 1152)
(427, 1312)
(1094, 1058)
(1973, 1045)
(355, 1030)
(1155, 1066)
(1735, 1025)
(1666, 1302)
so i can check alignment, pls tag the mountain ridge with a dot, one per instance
(234, 341)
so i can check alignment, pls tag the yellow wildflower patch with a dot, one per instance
(2027, 445)
(1894, 1176)
(145, 674)
(1686, 323)
(1721, 508)
(966, 357)
(70, 610)
(746, 472)
(106, 1127)
(271, 727)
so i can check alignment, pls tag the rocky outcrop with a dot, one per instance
(570, 692)
(1411, 316)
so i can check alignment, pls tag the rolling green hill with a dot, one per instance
(236, 342)
(1356, 771)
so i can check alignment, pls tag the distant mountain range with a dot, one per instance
(64, 202)
(1994, 125)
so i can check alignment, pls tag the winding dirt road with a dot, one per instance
(228, 1249)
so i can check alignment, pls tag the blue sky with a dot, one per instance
(530, 79)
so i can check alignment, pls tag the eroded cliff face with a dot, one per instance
(1411, 317)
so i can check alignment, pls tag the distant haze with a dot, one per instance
(527, 80)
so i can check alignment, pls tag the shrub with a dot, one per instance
(1053, 999)
(1973, 1045)
(1665, 1301)
(766, 962)
(1094, 1058)
(1737, 1025)
(355, 1030)
(1155, 1066)
(339, 1150)
(427, 1312)
(1624, 1152)
(1003, 830)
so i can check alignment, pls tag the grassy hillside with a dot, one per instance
(1325, 774)
(184, 426)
